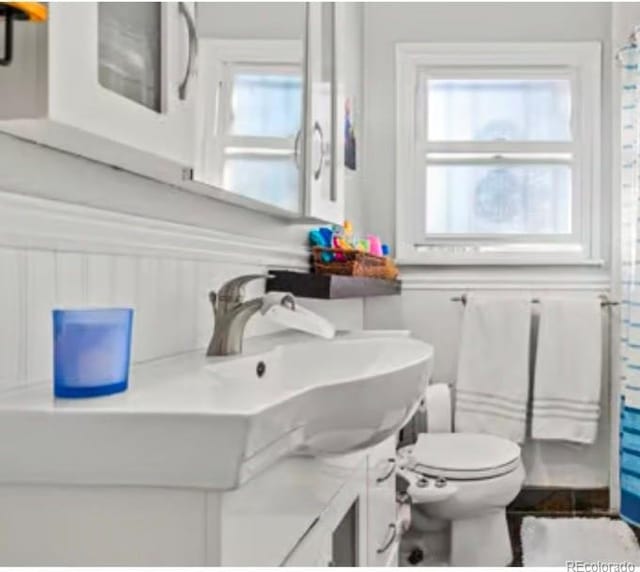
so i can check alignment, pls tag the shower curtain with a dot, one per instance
(630, 308)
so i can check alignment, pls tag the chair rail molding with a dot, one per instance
(29, 222)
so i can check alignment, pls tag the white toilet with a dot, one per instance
(468, 480)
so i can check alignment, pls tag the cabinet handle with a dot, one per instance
(392, 462)
(318, 129)
(9, 16)
(193, 49)
(296, 148)
(393, 529)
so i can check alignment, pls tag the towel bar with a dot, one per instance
(605, 301)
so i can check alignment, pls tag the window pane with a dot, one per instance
(498, 199)
(266, 105)
(272, 180)
(499, 109)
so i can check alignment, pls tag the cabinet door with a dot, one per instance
(383, 535)
(323, 151)
(117, 70)
(338, 537)
(316, 552)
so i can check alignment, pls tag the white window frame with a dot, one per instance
(578, 61)
(221, 59)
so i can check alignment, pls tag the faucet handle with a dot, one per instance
(233, 290)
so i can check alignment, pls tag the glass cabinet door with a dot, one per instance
(130, 51)
(250, 104)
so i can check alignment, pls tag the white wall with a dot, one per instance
(425, 305)
(74, 232)
(353, 74)
(56, 251)
(251, 20)
(386, 24)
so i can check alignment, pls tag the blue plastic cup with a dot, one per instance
(91, 351)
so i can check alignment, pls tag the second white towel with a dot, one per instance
(493, 367)
(566, 395)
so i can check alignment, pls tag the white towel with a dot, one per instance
(566, 394)
(493, 366)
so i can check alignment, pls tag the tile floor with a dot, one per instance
(558, 503)
(554, 503)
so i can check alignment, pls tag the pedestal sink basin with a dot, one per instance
(347, 393)
(192, 421)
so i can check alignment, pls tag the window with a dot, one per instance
(253, 94)
(261, 113)
(497, 152)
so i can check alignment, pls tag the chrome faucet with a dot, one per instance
(231, 314)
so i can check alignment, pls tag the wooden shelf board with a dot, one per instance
(305, 285)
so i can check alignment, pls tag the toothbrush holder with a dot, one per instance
(92, 349)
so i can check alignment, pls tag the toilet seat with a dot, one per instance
(462, 456)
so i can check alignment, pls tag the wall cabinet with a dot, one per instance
(325, 100)
(106, 80)
(117, 83)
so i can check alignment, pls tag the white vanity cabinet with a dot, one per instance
(111, 81)
(301, 511)
(383, 529)
(371, 497)
(338, 537)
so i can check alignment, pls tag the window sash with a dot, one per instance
(502, 147)
(230, 70)
(424, 74)
(498, 158)
(492, 152)
(580, 61)
(422, 237)
(233, 146)
(266, 143)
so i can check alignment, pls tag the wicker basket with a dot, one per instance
(354, 263)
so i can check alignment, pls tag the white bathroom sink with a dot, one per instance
(348, 393)
(215, 422)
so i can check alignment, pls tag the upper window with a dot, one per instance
(260, 118)
(497, 152)
(251, 106)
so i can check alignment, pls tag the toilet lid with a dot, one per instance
(464, 455)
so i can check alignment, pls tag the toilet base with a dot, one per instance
(481, 540)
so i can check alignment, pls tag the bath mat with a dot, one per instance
(554, 541)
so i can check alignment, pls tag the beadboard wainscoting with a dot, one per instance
(55, 254)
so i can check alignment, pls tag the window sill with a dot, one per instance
(448, 260)
(500, 273)
(512, 254)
